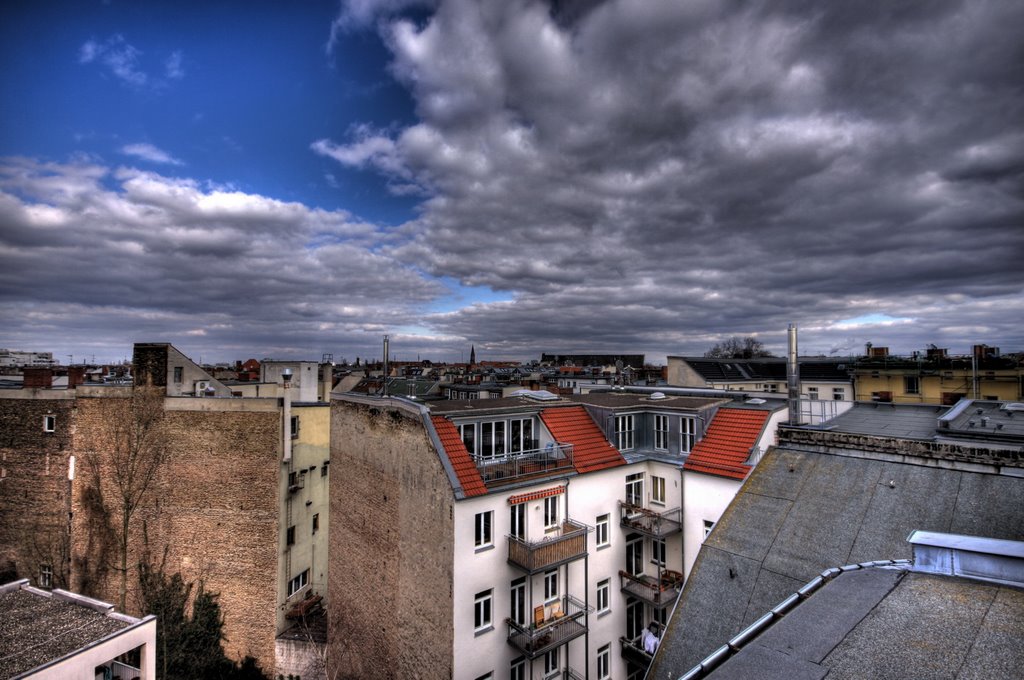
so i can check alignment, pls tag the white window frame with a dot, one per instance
(298, 583)
(602, 530)
(838, 393)
(517, 520)
(517, 669)
(552, 667)
(517, 596)
(687, 434)
(660, 432)
(551, 586)
(604, 594)
(708, 526)
(520, 442)
(658, 490)
(483, 530)
(659, 550)
(492, 439)
(49, 423)
(483, 603)
(470, 429)
(635, 489)
(812, 393)
(604, 662)
(635, 554)
(911, 384)
(551, 512)
(46, 576)
(625, 432)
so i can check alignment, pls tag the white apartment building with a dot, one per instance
(525, 537)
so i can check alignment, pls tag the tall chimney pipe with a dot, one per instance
(793, 378)
(286, 414)
(384, 384)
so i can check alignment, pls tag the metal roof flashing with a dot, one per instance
(976, 557)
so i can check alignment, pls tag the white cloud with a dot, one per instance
(150, 153)
(174, 65)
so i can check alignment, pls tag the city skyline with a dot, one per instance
(258, 180)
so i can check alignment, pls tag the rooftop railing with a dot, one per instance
(565, 544)
(510, 466)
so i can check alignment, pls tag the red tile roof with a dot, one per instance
(591, 451)
(726, 445)
(465, 469)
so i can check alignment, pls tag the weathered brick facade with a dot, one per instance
(213, 506)
(392, 502)
(34, 486)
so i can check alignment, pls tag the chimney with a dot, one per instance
(384, 386)
(286, 414)
(38, 378)
(793, 378)
(76, 376)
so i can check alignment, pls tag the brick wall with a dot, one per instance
(34, 487)
(391, 546)
(214, 505)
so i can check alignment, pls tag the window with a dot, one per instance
(49, 423)
(492, 439)
(467, 432)
(604, 589)
(688, 433)
(517, 593)
(634, 618)
(482, 611)
(551, 663)
(179, 374)
(635, 489)
(708, 526)
(658, 551)
(551, 512)
(323, 468)
(520, 433)
(551, 585)
(657, 489)
(298, 583)
(482, 537)
(517, 671)
(46, 576)
(911, 384)
(295, 427)
(771, 387)
(290, 536)
(316, 522)
(601, 532)
(624, 432)
(635, 554)
(517, 520)
(661, 432)
(812, 393)
(838, 393)
(604, 656)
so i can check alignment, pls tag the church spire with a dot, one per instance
(472, 355)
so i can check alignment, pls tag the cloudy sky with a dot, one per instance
(287, 179)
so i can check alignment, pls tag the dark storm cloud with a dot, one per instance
(654, 174)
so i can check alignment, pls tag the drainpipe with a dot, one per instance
(286, 444)
(793, 375)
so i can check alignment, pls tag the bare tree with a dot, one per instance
(738, 348)
(136, 449)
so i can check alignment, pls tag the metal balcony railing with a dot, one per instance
(633, 652)
(658, 591)
(553, 626)
(511, 466)
(567, 543)
(650, 522)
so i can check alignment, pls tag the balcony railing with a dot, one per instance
(633, 652)
(646, 521)
(565, 544)
(553, 626)
(658, 591)
(510, 466)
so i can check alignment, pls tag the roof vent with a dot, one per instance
(656, 395)
(989, 559)
(756, 400)
(1012, 406)
(536, 395)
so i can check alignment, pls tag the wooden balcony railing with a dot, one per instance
(511, 466)
(568, 543)
(650, 522)
(566, 623)
(658, 591)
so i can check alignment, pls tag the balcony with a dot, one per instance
(565, 544)
(649, 522)
(553, 626)
(658, 591)
(633, 652)
(508, 467)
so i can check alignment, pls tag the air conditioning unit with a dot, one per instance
(201, 387)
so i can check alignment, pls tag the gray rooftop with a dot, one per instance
(907, 421)
(803, 511)
(891, 623)
(37, 627)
